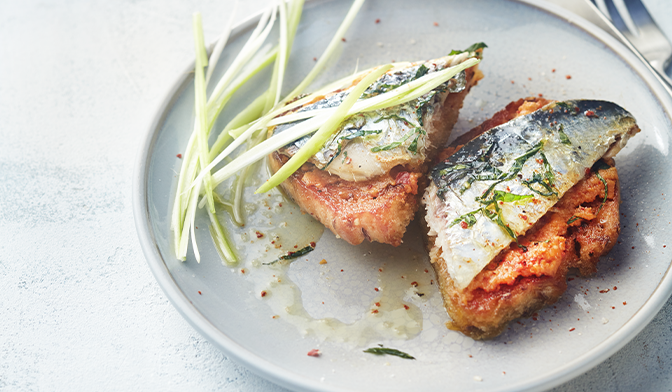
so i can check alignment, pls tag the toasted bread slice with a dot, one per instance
(531, 272)
(368, 190)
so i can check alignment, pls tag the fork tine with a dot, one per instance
(647, 42)
(625, 15)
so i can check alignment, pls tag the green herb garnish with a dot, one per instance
(563, 136)
(492, 211)
(422, 70)
(360, 133)
(472, 48)
(546, 180)
(388, 147)
(606, 191)
(293, 255)
(572, 220)
(469, 218)
(387, 351)
(413, 147)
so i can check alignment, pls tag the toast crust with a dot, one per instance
(523, 279)
(378, 209)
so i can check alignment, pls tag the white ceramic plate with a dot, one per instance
(533, 49)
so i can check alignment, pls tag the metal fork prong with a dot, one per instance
(634, 42)
(625, 15)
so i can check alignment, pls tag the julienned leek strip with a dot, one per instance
(245, 131)
(324, 133)
(200, 102)
(398, 96)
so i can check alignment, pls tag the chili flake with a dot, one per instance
(314, 353)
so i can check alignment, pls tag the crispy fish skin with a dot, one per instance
(377, 208)
(530, 274)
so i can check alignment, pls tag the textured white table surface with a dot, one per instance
(79, 310)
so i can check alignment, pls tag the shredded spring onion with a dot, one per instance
(249, 128)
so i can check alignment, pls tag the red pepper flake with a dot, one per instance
(279, 204)
(343, 39)
(275, 317)
(375, 288)
(615, 288)
(625, 303)
(576, 109)
(512, 82)
(414, 284)
(374, 311)
(377, 304)
(464, 225)
(613, 307)
(553, 70)
(296, 246)
(568, 77)
(587, 171)
(377, 21)
(529, 79)
(604, 291)
(312, 244)
(534, 318)
(179, 156)
(426, 270)
(314, 58)
(436, 24)
(590, 113)
(380, 270)
(540, 95)
(406, 307)
(199, 293)
(633, 247)
(263, 293)
(314, 353)
(260, 235)
(242, 271)
(572, 329)
(341, 270)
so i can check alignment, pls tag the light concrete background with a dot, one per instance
(79, 310)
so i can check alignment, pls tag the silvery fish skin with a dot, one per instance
(372, 143)
(499, 184)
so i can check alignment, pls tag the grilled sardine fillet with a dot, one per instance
(510, 211)
(363, 184)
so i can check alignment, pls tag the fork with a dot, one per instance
(631, 22)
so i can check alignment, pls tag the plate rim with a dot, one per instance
(275, 373)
